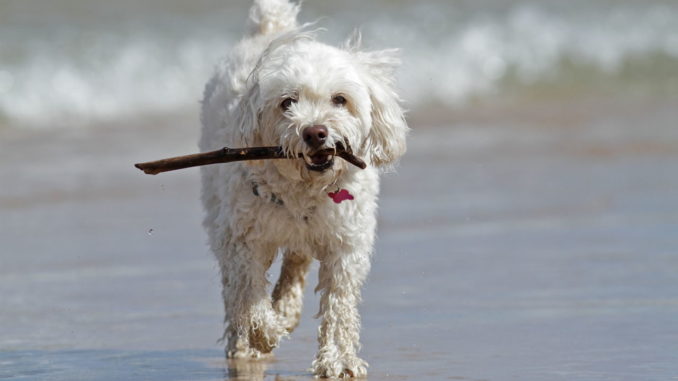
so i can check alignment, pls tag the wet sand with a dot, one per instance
(515, 243)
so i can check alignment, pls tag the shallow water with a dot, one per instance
(511, 246)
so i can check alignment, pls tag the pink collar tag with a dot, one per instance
(341, 195)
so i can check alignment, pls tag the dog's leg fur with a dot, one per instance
(254, 328)
(340, 279)
(289, 291)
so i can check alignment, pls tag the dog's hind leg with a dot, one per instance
(253, 326)
(289, 291)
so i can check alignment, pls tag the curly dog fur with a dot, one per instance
(280, 86)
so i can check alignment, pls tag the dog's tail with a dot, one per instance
(272, 16)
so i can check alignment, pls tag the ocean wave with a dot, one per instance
(109, 80)
(529, 46)
(451, 54)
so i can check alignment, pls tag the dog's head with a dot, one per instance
(307, 96)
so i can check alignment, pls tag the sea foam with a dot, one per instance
(74, 72)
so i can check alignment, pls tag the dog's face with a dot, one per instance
(306, 96)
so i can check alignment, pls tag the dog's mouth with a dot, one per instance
(319, 162)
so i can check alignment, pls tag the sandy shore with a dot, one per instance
(526, 243)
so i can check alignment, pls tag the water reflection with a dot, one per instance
(259, 370)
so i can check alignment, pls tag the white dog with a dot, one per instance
(280, 87)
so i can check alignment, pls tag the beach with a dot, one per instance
(529, 233)
(511, 246)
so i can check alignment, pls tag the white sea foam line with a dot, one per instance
(137, 78)
(151, 73)
(532, 43)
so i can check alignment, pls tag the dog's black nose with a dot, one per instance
(315, 136)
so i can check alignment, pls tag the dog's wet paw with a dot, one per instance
(245, 353)
(345, 367)
(266, 337)
(238, 347)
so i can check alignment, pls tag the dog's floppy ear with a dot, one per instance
(247, 118)
(385, 142)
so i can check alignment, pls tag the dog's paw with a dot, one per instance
(347, 366)
(289, 319)
(245, 353)
(266, 336)
(238, 347)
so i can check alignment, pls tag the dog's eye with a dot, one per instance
(285, 105)
(339, 100)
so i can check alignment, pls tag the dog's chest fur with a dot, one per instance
(300, 215)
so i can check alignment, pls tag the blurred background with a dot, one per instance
(70, 62)
(530, 233)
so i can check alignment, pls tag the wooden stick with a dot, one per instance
(228, 155)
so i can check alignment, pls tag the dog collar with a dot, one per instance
(274, 198)
(338, 197)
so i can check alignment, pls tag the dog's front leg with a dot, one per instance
(253, 326)
(340, 279)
